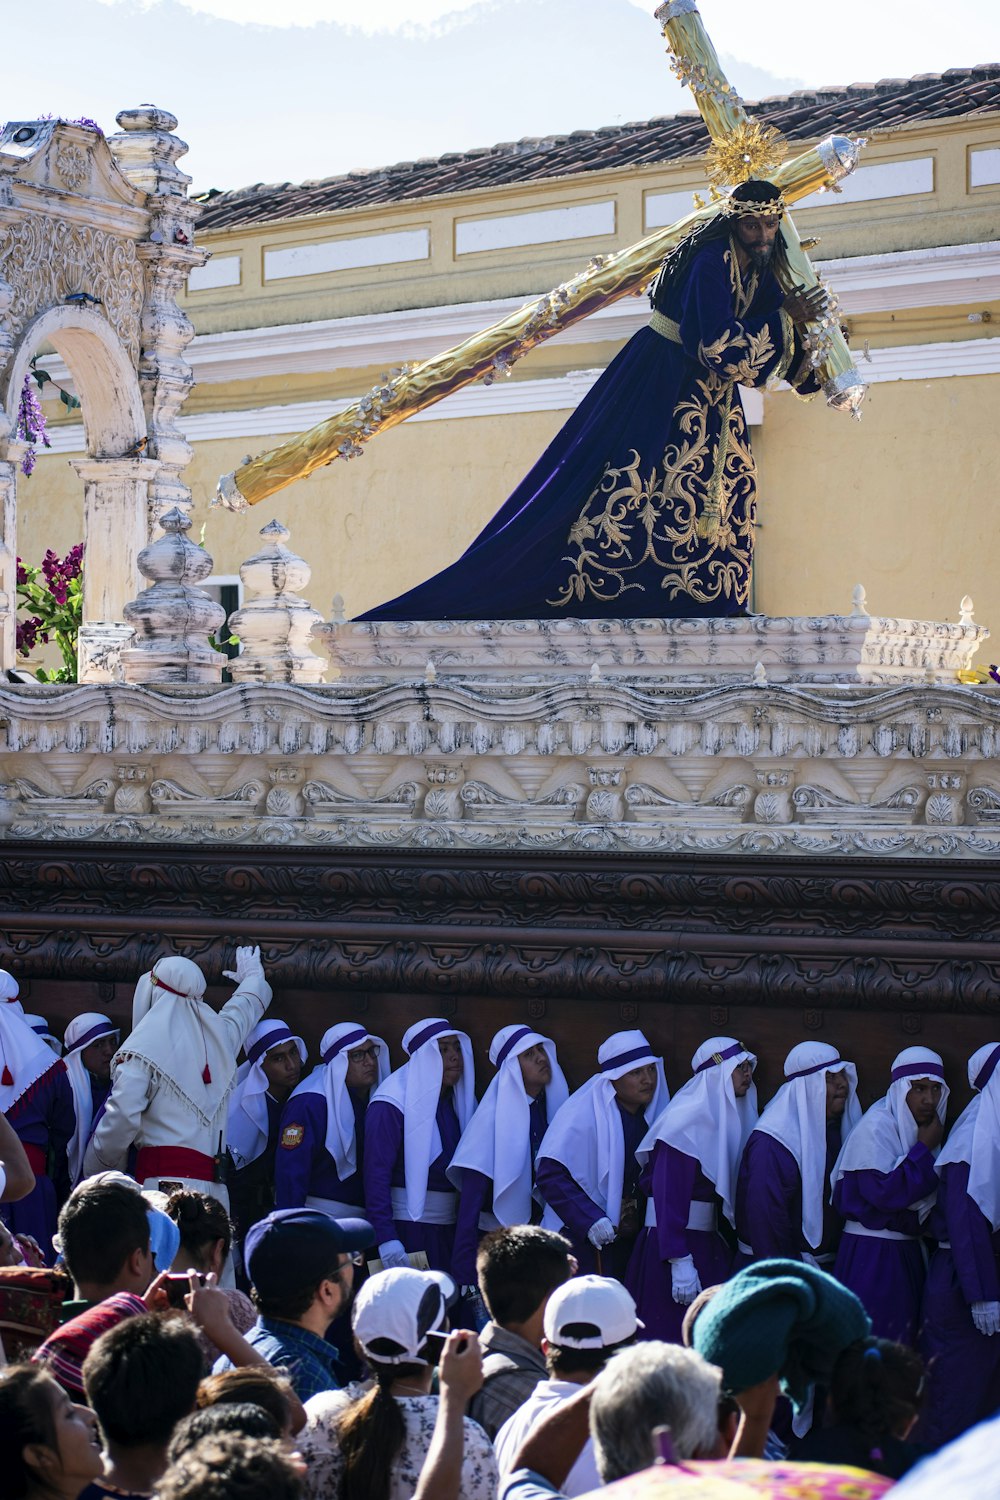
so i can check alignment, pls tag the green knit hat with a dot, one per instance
(779, 1317)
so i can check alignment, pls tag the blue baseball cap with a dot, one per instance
(295, 1247)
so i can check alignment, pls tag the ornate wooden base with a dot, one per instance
(866, 954)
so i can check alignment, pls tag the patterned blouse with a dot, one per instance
(317, 1443)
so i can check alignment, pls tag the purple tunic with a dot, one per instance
(769, 1200)
(303, 1166)
(887, 1275)
(675, 1181)
(44, 1117)
(963, 1364)
(384, 1170)
(579, 1212)
(476, 1197)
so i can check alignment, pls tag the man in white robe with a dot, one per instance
(171, 1081)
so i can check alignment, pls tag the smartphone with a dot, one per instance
(177, 1285)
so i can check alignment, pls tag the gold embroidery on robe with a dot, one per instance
(630, 521)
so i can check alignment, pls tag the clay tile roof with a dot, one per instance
(806, 114)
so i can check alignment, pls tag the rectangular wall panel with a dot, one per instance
(221, 270)
(324, 256)
(508, 231)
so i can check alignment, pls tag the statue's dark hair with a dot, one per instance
(677, 262)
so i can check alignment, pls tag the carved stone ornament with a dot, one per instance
(45, 260)
(826, 648)
(628, 765)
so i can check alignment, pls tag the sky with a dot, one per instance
(288, 90)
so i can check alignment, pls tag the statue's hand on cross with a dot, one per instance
(806, 304)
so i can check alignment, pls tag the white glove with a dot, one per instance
(601, 1233)
(685, 1283)
(986, 1316)
(393, 1253)
(247, 963)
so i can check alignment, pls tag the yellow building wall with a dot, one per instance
(905, 502)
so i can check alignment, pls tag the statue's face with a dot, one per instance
(756, 234)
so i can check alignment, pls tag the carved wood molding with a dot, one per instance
(924, 937)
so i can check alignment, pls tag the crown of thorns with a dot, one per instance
(740, 208)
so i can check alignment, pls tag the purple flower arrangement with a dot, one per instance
(54, 594)
(30, 426)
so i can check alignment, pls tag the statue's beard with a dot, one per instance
(760, 259)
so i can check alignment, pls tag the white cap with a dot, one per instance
(396, 1310)
(598, 1310)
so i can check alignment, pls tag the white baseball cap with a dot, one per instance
(590, 1312)
(396, 1311)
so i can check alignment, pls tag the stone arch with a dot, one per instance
(113, 416)
(95, 243)
(115, 475)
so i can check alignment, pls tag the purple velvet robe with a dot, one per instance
(476, 1196)
(963, 1364)
(769, 1199)
(45, 1116)
(384, 1170)
(579, 1212)
(674, 1180)
(305, 1167)
(887, 1275)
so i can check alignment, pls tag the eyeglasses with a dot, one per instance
(352, 1258)
(363, 1054)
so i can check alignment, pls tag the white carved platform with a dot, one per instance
(617, 764)
(855, 648)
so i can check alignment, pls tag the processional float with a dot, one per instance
(741, 148)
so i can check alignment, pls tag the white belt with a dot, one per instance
(334, 1209)
(439, 1208)
(853, 1227)
(700, 1215)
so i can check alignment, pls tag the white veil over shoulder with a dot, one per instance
(585, 1136)
(24, 1057)
(81, 1031)
(415, 1090)
(796, 1117)
(246, 1132)
(179, 1038)
(330, 1080)
(705, 1119)
(887, 1132)
(497, 1140)
(976, 1135)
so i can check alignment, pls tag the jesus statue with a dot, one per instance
(644, 503)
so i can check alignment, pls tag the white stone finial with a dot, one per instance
(859, 600)
(338, 614)
(760, 675)
(595, 672)
(965, 611)
(173, 619)
(275, 625)
(430, 671)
